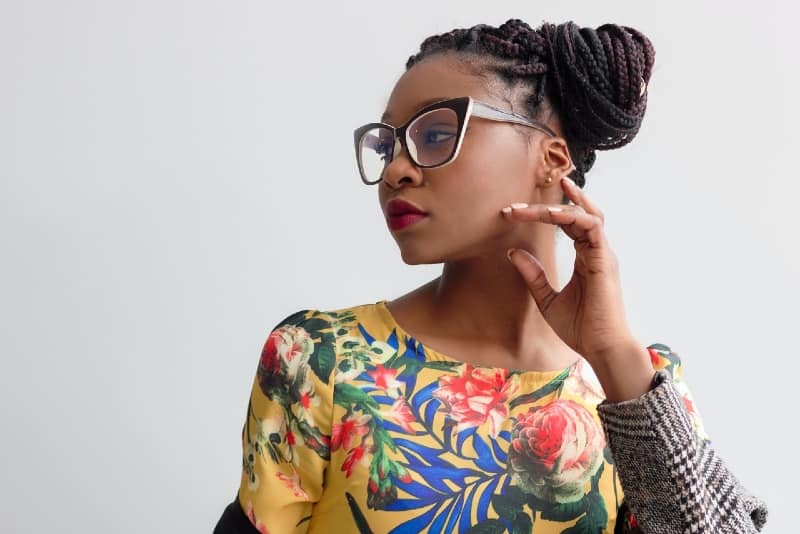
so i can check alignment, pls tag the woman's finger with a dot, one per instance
(580, 198)
(574, 220)
(534, 275)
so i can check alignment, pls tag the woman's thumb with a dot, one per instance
(533, 273)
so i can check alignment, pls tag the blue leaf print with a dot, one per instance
(500, 452)
(382, 399)
(423, 395)
(462, 437)
(441, 515)
(402, 505)
(486, 497)
(458, 509)
(416, 525)
(428, 453)
(412, 351)
(430, 409)
(369, 339)
(424, 495)
(485, 459)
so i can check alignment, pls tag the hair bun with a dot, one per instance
(601, 78)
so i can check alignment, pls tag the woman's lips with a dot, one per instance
(398, 222)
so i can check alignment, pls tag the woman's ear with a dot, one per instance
(556, 158)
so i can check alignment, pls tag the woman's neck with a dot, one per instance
(486, 302)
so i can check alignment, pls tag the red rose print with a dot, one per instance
(476, 396)
(555, 449)
(287, 349)
(270, 360)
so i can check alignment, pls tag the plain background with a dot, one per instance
(177, 177)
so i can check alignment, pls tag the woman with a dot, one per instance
(487, 400)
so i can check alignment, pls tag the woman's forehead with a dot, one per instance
(429, 81)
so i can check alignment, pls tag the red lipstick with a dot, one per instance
(401, 213)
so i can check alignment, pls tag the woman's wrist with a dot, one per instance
(625, 372)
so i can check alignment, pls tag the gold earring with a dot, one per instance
(549, 179)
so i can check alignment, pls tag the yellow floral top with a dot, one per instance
(354, 426)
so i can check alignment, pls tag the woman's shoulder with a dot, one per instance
(317, 318)
(318, 338)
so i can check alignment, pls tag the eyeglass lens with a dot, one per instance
(431, 140)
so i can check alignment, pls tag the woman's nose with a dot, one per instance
(401, 170)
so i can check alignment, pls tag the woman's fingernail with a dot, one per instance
(553, 210)
(509, 253)
(507, 209)
(570, 181)
(518, 205)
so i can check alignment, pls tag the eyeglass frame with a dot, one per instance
(464, 107)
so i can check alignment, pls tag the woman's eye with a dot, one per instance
(438, 136)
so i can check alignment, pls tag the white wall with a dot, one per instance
(176, 177)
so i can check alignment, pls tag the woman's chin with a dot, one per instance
(418, 257)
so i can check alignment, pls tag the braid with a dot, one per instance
(594, 78)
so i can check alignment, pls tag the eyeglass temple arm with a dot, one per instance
(486, 111)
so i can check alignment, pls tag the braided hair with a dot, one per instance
(594, 79)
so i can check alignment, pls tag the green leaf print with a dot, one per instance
(295, 318)
(314, 439)
(505, 506)
(516, 494)
(509, 504)
(358, 515)
(315, 325)
(565, 511)
(583, 526)
(490, 526)
(597, 516)
(441, 366)
(347, 395)
(523, 524)
(596, 478)
(323, 360)
(546, 389)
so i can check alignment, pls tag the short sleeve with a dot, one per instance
(286, 434)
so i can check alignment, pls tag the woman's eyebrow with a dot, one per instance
(387, 116)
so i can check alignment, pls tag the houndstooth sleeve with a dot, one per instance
(672, 478)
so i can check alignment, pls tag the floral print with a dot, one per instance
(259, 526)
(351, 428)
(555, 449)
(584, 383)
(476, 396)
(282, 376)
(353, 420)
(293, 483)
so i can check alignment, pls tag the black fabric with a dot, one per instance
(234, 521)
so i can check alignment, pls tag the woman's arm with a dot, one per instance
(672, 478)
(286, 433)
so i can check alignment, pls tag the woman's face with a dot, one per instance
(497, 165)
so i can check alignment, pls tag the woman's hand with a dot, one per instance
(588, 313)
